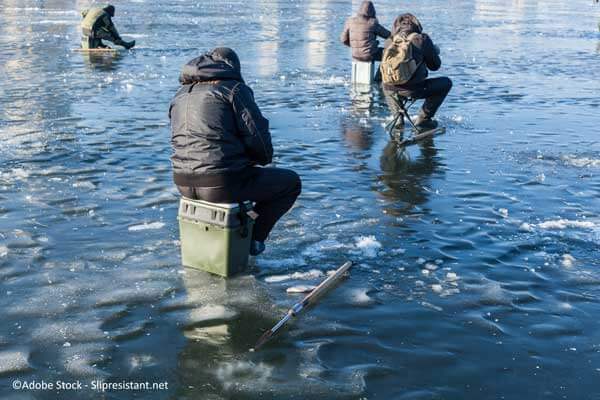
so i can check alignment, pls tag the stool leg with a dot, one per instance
(405, 110)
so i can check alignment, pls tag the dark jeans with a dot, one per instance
(274, 190)
(433, 90)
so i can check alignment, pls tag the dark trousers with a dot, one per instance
(274, 190)
(433, 90)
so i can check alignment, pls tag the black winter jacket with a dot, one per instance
(217, 130)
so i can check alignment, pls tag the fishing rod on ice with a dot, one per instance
(298, 307)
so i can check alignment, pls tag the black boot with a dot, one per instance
(424, 122)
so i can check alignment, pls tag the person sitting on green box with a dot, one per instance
(97, 25)
(219, 137)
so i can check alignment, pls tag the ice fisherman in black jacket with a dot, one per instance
(219, 136)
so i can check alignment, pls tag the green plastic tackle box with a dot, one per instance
(215, 237)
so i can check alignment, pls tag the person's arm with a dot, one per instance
(345, 36)
(381, 31)
(431, 54)
(253, 127)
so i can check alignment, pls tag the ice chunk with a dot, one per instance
(300, 289)
(13, 361)
(581, 162)
(566, 223)
(368, 245)
(503, 212)
(146, 226)
(431, 267)
(568, 261)
(526, 227)
(84, 185)
(437, 288)
(451, 276)
(312, 274)
(360, 297)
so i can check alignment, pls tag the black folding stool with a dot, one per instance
(403, 104)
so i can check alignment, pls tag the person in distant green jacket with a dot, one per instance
(97, 25)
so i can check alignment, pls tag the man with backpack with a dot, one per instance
(361, 31)
(409, 54)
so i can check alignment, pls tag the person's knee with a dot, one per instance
(447, 84)
(295, 183)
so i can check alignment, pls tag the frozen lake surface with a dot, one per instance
(477, 259)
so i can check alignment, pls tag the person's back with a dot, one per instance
(426, 55)
(205, 115)
(360, 34)
(97, 25)
(219, 135)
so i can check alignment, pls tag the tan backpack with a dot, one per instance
(398, 64)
